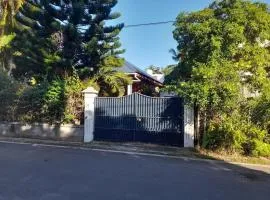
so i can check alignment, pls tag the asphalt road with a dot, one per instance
(47, 173)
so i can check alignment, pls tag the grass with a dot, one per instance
(235, 157)
(186, 152)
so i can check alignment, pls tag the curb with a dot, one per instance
(101, 148)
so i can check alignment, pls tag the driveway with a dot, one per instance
(30, 172)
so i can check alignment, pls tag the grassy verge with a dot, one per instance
(235, 157)
(184, 152)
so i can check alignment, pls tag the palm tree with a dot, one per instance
(8, 9)
(111, 82)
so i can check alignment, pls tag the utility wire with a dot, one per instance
(145, 24)
(149, 24)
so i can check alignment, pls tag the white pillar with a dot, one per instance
(89, 113)
(188, 127)
(129, 89)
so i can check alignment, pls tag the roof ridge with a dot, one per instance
(134, 69)
(143, 72)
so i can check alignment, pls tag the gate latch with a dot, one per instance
(139, 119)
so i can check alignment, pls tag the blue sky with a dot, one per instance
(150, 45)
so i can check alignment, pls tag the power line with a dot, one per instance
(149, 24)
(140, 25)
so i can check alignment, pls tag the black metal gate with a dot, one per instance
(140, 118)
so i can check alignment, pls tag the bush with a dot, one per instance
(256, 147)
(235, 134)
(8, 95)
(44, 102)
(58, 101)
(54, 102)
(260, 112)
(255, 144)
(224, 136)
(74, 100)
(29, 107)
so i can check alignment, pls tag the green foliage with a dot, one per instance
(5, 40)
(39, 42)
(51, 42)
(258, 148)
(59, 101)
(260, 112)
(236, 134)
(64, 37)
(55, 100)
(111, 82)
(42, 103)
(8, 9)
(255, 144)
(8, 94)
(170, 77)
(82, 45)
(101, 41)
(221, 50)
(29, 103)
(216, 45)
(225, 134)
(74, 108)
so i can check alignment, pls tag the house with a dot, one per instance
(142, 82)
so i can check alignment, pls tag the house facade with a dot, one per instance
(142, 82)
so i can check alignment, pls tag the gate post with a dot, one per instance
(188, 126)
(89, 113)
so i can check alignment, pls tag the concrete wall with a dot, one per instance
(168, 94)
(189, 130)
(40, 130)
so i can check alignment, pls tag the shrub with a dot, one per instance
(224, 136)
(29, 107)
(235, 134)
(255, 147)
(255, 144)
(260, 112)
(74, 100)
(54, 101)
(8, 95)
(57, 101)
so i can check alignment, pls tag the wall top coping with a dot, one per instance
(90, 90)
(41, 124)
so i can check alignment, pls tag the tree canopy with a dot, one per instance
(8, 9)
(65, 35)
(57, 48)
(220, 49)
(223, 67)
